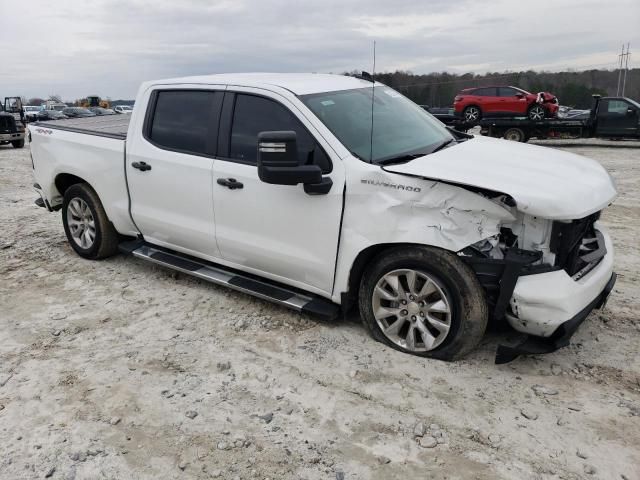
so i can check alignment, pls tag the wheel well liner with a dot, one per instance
(64, 180)
(349, 298)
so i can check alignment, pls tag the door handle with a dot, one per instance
(142, 166)
(230, 183)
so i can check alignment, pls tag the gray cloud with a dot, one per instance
(109, 47)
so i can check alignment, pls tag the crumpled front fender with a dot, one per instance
(385, 208)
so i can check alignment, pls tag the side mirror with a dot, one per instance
(278, 164)
(631, 112)
(520, 95)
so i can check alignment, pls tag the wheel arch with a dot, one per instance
(472, 105)
(359, 265)
(63, 181)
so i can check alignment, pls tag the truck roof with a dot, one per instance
(297, 83)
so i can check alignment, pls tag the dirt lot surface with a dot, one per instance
(122, 370)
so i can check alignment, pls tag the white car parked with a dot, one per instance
(31, 112)
(283, 186)
(123, 109)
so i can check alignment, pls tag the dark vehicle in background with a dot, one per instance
(76, 112)
(473, 104)
(101, 111)
(51, 115)
(12, 122)
(11, 132)
(610, 117)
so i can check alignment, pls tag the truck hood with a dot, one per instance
(543, 181)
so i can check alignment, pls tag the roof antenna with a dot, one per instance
(373, 92)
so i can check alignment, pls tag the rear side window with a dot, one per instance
(507, 92)
(485, 92)
(186, 120)
(253, 114)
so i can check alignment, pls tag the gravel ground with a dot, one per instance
(122, 370)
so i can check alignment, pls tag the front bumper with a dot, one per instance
(560, 337)
(11, 137)
(541, 303)
(549, 307)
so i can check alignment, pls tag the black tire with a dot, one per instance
(469, 112)
(469, 314)
(536, 112)
(106, 237)
(515, 135)
(18, 143)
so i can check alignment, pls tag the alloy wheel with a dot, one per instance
(81, 223)
(471, 114)
(412, 309)
(536, 113)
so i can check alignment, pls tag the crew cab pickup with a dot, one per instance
(326, 192)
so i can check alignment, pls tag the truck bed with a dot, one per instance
(112, 126)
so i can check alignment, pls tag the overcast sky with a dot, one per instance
(107, 47)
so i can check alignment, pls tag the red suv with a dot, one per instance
(472, 104)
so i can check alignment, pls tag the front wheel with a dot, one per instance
(423, 301)
(536, 113)
(18, 143)
(89, 231)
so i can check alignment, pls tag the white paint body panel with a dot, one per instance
(98, 160)
(543, 181)
(311, 242)
(171, 204)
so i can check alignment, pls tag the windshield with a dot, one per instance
(400, 127)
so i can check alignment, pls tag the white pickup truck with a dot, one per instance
(326, 192)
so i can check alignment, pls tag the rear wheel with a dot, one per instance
(472, 114)
(536, 113)
(18, 143)
(515, 135)
(89, 231)
(423, 301)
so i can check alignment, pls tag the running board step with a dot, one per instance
(282, 295)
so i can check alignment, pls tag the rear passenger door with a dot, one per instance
(169, 169)
(487, 100)
(277, 231)
(510, 103)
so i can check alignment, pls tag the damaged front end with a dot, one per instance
(543, 277)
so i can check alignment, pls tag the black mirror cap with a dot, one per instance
(277, 149)
(290, 175)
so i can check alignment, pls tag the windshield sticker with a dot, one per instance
(392, 93)
(326, 103)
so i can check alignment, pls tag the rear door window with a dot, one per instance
(186, 121)
(507, 92)
(254, 114)
(485, 92)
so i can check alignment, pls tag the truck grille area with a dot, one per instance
(7, 124)
(578, 246)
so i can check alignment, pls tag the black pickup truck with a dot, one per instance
(610, 117)
(12, 123)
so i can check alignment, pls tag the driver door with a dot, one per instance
(277, 231)
(617, 117)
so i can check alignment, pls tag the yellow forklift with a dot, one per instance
(94, 101)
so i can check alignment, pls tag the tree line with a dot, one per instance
(574, 89)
